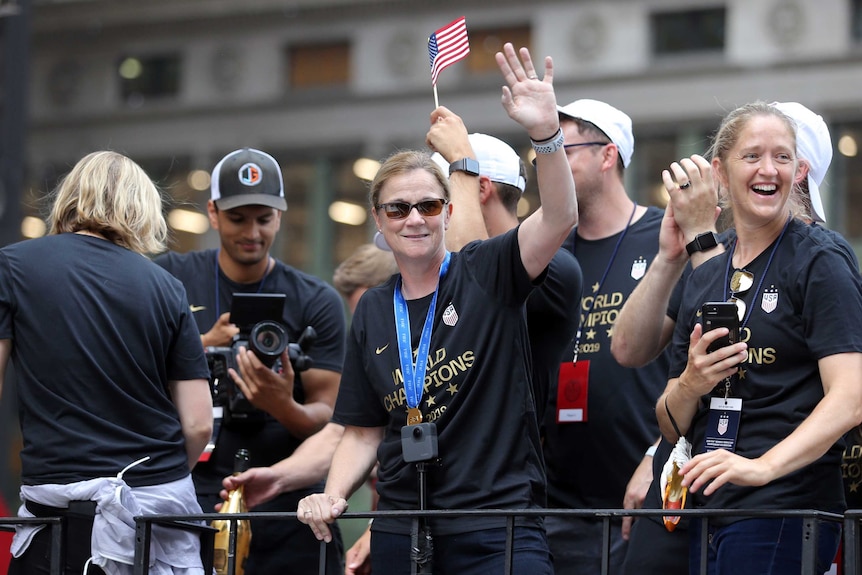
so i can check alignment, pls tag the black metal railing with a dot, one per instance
(851, 557)
(55, 524)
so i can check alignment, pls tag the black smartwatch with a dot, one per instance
(466, 165)
(702, 242)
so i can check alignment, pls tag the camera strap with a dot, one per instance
(414, 372)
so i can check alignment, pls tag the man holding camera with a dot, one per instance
(282, 407)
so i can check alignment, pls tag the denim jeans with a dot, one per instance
(770, 546)
(473, 553)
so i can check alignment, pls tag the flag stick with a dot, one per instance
(436, 102)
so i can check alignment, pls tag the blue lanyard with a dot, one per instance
(414, 373)
(763, 277)
(604, 276)
(259, 287)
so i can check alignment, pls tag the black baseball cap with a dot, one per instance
(248, 177)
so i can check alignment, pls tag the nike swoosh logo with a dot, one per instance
(194, 308)
(380, 350)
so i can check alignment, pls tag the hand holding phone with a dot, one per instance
(721, 314)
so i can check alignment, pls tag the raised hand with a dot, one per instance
(693, 194)
(527, 99)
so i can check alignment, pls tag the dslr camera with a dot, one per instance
(260, 330)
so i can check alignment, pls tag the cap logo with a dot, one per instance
(250, 174)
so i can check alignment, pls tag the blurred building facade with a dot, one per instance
(321, 84)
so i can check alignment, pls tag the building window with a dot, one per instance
(148, 77)
(485, 43)
(319, 65)
(857, 20)
(691, 31)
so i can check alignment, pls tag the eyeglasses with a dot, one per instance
(740, 282)
(400, 210)
(578, 145)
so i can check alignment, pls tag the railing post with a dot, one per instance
(810, 531)
(510, 545)
(58, 550)
(143, 533)
(321, 566)
(606, 544)
(850, 551)
(704, 544)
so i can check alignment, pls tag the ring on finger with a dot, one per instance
(685, 185)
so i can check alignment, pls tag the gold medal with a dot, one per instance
(414, 416)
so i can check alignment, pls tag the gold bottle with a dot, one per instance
(235, 504)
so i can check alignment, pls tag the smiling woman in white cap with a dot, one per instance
(646, 323)
(763, 415)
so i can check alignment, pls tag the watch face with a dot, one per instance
(707, 241)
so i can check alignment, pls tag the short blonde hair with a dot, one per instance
(366, 267)
(109, 194)
(401, 163)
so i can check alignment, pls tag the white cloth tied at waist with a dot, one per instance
(173, 551)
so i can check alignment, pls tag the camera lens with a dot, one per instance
(267, 340)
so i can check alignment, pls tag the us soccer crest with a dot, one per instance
(639, 268)
(450, 316)
(770, 299)
(722, 424)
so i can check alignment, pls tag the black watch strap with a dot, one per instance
(702, 242)
(466, 165)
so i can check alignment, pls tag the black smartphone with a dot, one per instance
(721, 314)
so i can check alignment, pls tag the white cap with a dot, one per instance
(497, 161)
(615, 124)
(814, 145)
(381, 242)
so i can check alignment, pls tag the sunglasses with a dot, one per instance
(578, 145)
(740, 282)
(400, 210)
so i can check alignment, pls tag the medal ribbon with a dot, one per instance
(414, 373)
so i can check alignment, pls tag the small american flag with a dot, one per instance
(447, 45)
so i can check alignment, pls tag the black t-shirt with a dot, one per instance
(477, 390)
(309, 301)
(97, 332)
(851, 468)
(552, 320)
(809, 306)
(621, 421)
